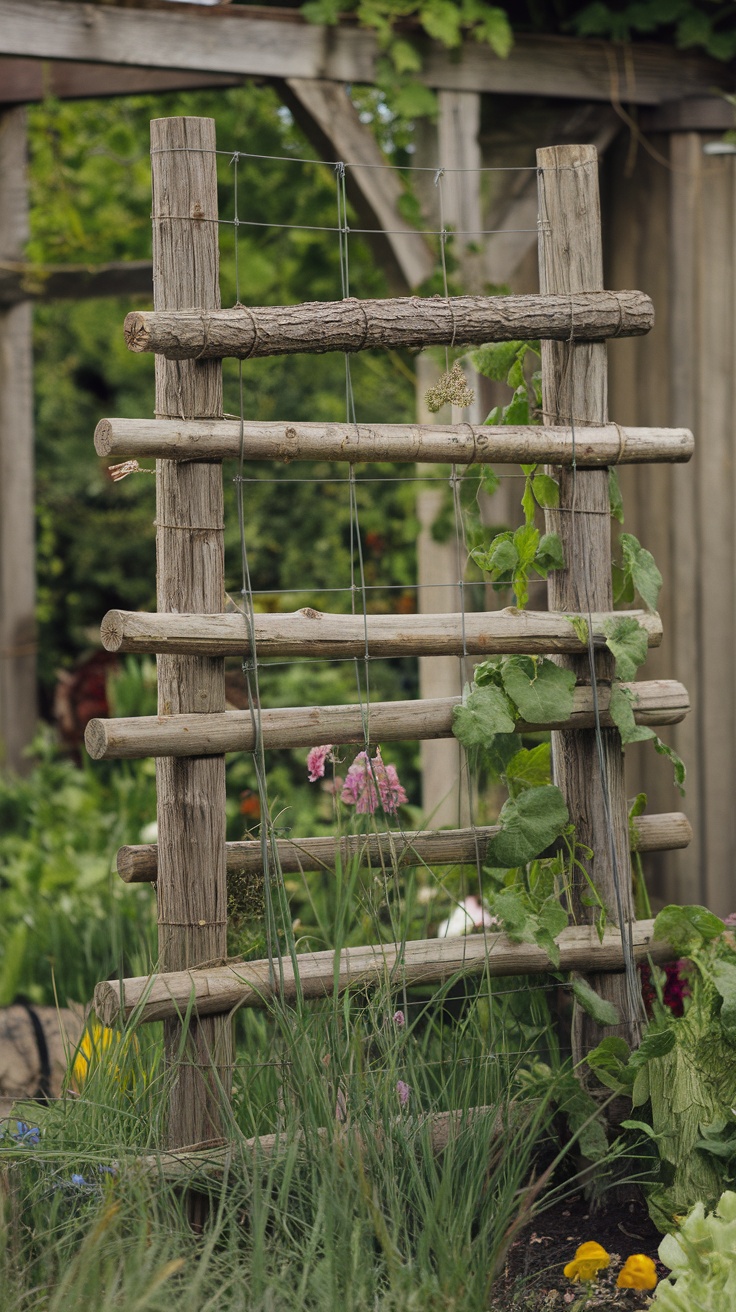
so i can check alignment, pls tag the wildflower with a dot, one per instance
(638, 1272)
(26, 1134)
(316, 761)
(403, 1091)
(468, 915)
(399, 1019)
(589, 1259)
(675, 988)
(78, 1179)
(369, 782)
(94, 1043)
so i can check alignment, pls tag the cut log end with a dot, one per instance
(112, 630)
(136, 334)
(95, 739)
(104, 438)
(107, 1002)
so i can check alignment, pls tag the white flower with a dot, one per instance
(468, 915)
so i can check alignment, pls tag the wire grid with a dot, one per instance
(358, 587)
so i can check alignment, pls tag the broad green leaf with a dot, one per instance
(501, 557)
(641, 566)
(623, 586)
(549, 553)
(602, 1011)
(529, 823)
(495, 359)
(724, 978)
(517, 411)
(615, 500)
(621, 710)
(687, 928)
(546, 491)
(530, 767)
(495, 29)
(656, 1043)
(541, 690)
(405, 57)
(526, 541)
(528, 503)
(516, 373)
(441, 19)
(489, 671)
(483, 713)
(628, 641)
(414, 100)
(638, 806)
(489, 480)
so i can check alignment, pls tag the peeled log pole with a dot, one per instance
(245, 332)
(310, 632)
(656, 701)
(459, 444)
(424, 961)
(138, 864)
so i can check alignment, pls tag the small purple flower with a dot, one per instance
(403, 1091)
(316, 761)
(28, 1134)
(399, 1019)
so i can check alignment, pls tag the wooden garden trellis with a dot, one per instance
(191, 635)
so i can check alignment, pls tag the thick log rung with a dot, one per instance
(312, 633)
(138, 864)
(245, 332)
(459, 444)
(657, 701)
(424, 961)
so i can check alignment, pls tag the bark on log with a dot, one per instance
(656, 701)
(458, 444)
(244, 333)
(218, 989)
(310, 632)
(138, 864)
(589, 772)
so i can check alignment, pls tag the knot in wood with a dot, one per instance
(310, 614)
(197, 210)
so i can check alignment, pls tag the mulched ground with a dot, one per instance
(533, 1279)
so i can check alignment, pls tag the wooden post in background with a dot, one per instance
(17, 512)
(192, 894)
(574, 382)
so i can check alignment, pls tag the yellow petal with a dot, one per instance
(638, 1272)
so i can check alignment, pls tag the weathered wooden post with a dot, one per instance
(192, 894)
(575, 392)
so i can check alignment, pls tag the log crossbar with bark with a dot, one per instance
(424, 961)
(138, 863)
(246, 332)
(459, 444)
(309, 632)
(655, 702)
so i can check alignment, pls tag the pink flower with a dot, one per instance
(403, 1091)
(468, 915)
(399, 1019)
(369, 781)
(316, 761)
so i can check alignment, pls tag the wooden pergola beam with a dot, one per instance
(263, 42)
(23, 81)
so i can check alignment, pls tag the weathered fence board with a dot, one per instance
(314, 327)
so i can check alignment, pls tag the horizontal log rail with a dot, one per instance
(246, 332)
(309, 632)
(460, 444)
(138, 864)
(657, 701)
(211, 991)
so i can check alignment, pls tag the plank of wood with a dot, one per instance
(587, 767)
(191, 889)
(655, 702)
(221, 989)
(329, 119)
(250, 332)
(20, 281)
(459, 444)
(18, 704)
(138, 863)
(309, 632)
(278, 44)
(23, 81)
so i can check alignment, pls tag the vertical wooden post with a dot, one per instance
(17, 561)
(192, 895)
(574, 381)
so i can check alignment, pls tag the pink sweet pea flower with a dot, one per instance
(403, 1091)
(369, 782)
(316, 761)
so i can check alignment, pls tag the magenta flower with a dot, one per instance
(316, 761)
(399, 1019)
(369, 782)
(403, 1091)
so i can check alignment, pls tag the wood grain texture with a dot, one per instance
(272, 43)
(656, 702)
(251, 332)
(459, 444)
(191, 889)
(423, 961)
(138, 863)
(574, 384)
(309, 632)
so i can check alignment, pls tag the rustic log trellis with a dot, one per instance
(191, 633)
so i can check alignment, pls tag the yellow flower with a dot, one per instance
(588, 1261)
(638, 1272)
(93, 1045)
